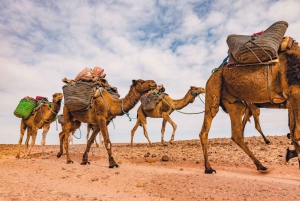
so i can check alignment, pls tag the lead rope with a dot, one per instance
(268, 82)
(122, 107)
(106, 106)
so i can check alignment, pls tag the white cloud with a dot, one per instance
(176, 43)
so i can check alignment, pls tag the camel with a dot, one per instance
(104, 109)
(42, 118)
(268, 85)
(163, 110)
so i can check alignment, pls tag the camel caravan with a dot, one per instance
(261, 70)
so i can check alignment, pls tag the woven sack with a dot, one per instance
(264, 47)
(149, 102)
(25, 108)
(78, 96)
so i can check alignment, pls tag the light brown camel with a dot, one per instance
(163, 110)
(269, 85)
(104, 109)
(42, 118)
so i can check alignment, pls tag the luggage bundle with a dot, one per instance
(258, 48)
(29, 105)
(78, 96)
(25, 107)
(150, 99)
(78, 93)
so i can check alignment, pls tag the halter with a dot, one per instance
(194, 94)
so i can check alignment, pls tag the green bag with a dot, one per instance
(25, 108)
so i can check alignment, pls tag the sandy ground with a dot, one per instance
(142, 175)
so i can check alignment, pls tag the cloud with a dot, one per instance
(176, 43)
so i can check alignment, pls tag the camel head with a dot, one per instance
(195, 91)
(143, 86)
(57, 97)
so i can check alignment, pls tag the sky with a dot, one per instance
(176, 43)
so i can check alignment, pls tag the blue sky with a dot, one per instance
(175, 43)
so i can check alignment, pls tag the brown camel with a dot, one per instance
(42, 118)
(163, 110)
(266, 85)
(104, 109)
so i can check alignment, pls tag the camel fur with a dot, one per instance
(104, 109)
(41, 118)
(271, 84)
(163, 110)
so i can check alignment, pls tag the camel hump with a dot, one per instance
(259, 47)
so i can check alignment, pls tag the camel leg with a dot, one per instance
(103, 128)
(168, 119)
(256, 112)
(236, 111)
(22, 131)
(208, 117)
(26, 143)
(101, 142)
(163, 128)
(46, 128)
(88, 146)
(138, 122)
(33, 134)
(97, 145)
(61, 142)
(144, 124)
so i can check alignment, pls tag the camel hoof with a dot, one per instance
(209, 171)
(69, 161)
(18, 157)
(85, 163)
(112, 166)
(288, 154)
(268, 142)
(263, 170)
(59, 155)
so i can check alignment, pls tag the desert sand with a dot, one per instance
(142, 175)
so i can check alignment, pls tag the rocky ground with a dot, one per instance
(142, 175)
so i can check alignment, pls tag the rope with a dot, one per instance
(122, 107)
(173, 107)
(79, 132)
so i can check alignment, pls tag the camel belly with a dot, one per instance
(254, 84)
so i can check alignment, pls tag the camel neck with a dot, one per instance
(181, 103)
(130, 100)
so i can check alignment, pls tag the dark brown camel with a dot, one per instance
(163, 110)
(42, 118)
(270, 85)
(104, 109)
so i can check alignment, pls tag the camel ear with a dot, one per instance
(193, 87)
(134, 82)
(54, 95)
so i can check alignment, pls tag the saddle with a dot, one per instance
(150, 99)
(259, 47)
